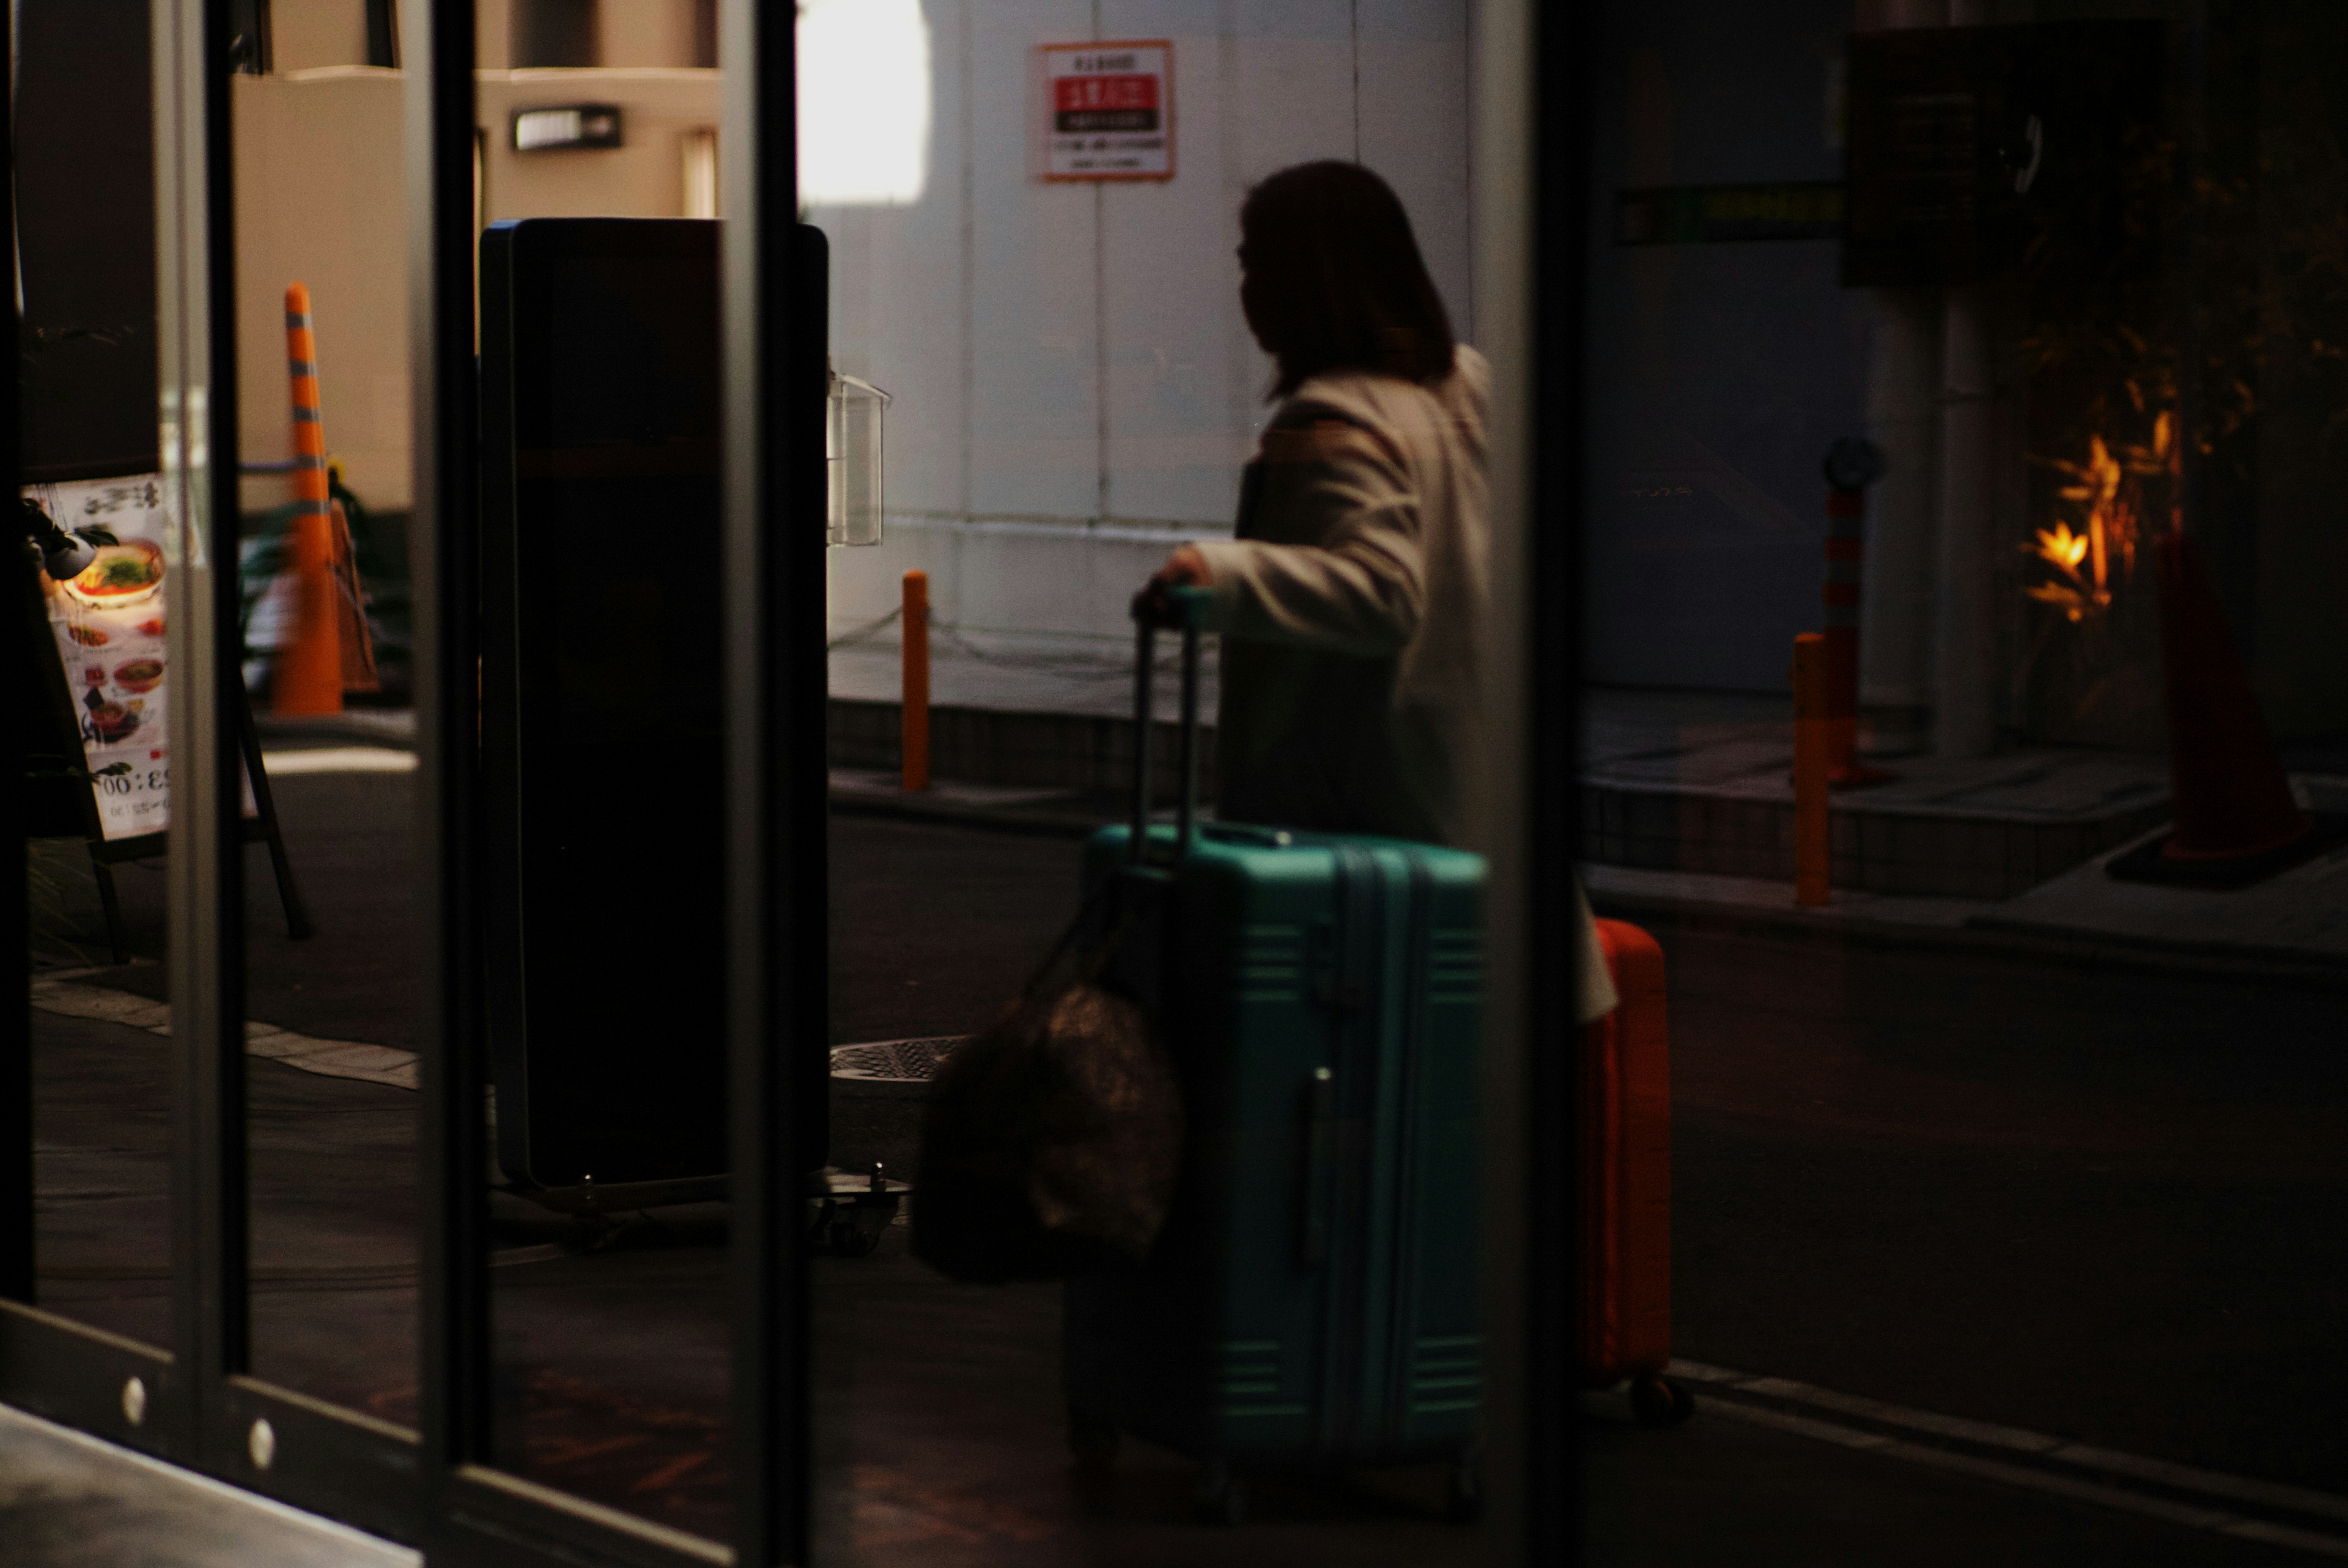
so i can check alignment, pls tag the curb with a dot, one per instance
(2056, 946)
(1033, 821)
(1982, 934)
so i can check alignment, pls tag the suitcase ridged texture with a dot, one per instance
(1626, 1168)
(1312, 1301)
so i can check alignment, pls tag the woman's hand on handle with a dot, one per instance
(1186, 568)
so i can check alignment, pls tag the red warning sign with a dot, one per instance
(1109, 110)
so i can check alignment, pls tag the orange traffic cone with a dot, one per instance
(2236, 822)
(2230, 791)
(307, 678)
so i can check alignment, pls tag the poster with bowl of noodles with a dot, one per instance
(109, 622)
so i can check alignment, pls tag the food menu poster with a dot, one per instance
(109, 623)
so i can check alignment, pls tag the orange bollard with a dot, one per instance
(916, 619)
(1813, 754)
(307, 678)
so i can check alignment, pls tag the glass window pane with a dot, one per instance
(321, 357)
(1964, 719)
(1033, 214)
(88, 648)
(603, 863)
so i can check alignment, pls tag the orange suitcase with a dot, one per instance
(1626, 1184)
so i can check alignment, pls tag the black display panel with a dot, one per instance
(602, 697)
(1973, 149)
(85, 144)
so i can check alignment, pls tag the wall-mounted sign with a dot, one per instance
(568, 125)
(1109, 110)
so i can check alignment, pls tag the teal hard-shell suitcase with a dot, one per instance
(1311, 1300)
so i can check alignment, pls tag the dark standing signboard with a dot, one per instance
(85, 237)
(1965, 142)
(99, 724)
(602, 717)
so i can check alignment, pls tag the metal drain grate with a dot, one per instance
(893, 1060)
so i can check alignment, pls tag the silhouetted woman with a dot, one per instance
(1350, 600)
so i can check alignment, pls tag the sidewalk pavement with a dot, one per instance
(1019, 674)
(2014, 844)
(2295, 922)
(2295, 925)
(1806, 1150)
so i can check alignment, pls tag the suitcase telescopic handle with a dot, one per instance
(1189, 605)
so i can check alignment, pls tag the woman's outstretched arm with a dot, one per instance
(1352, 582)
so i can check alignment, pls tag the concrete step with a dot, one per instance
(1883, 845)
(1682, 782)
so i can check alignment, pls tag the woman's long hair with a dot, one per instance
(1335, 280)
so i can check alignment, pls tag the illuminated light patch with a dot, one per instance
(865, 103)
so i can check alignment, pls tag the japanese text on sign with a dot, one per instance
(1108, 111)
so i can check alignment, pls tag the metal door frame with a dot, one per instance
(436, 1487)
(200, 1406)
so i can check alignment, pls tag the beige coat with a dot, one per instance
(1349, 604)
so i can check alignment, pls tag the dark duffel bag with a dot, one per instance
(1052, 1139)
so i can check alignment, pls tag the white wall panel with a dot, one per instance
(1069, 360)
(897, 315)
(314, 33)
(319, 202)
(643, 177)
(1414, 106)
(1288, 72)
(1169, 289)
(1294, 97)
(1035, 425)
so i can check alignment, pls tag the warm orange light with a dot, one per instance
(2109, 488)
(2062, 547)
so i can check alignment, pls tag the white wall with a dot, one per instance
(645, 32)
(320, 201)
(1075, 386)
(320, 198)
(304, 35)
(643, 177)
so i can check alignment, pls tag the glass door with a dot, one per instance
(475, 1087)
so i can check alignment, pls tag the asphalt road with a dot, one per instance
(2097, 1203)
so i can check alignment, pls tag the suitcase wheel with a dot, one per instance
(1094, 1439)
(1222, 1495)
(1657, 1402)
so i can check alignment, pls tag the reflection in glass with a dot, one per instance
(1074, 390)
(602, 683)
(2077, 280)
(322, 354)
(85, 645)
